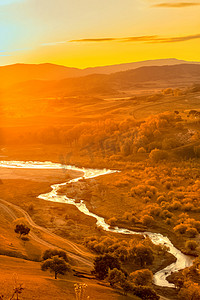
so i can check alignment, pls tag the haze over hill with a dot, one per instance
(16, 73)
(155, 77)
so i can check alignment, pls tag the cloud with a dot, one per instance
(96, 40)
(176, 39)
(53, 43)
(145, 38)
(176, 4)
(149, 39)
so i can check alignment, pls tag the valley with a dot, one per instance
(149, 133)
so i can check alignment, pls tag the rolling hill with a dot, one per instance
(121, 82)
(17, 73)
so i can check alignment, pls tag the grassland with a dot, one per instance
(116, 131)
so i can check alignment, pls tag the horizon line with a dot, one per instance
(98, 66)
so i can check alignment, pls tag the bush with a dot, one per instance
(155, 211)
(145, 293)
(168, 221)
(103, 263)
(115, 276)
(54, 252)
(57, 265)
(142, 255)
(188, 207)
(22, 229)
(157, 155)
(176, 205)
(189, 291)
(166, 214)
(126, 286)
(191, 245)
(191, 232)
(112, 221)
(161, 199)
(142, 277)
(141, 150)
(147, 220)
(181, 228)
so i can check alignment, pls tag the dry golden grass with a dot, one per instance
(42, 285)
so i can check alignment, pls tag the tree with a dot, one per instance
(191, 232)
(112, 221)
(22, 229)
(181, 228)
(115, 276)
(103, 263)
(126, 286)
(145, 293)
(54, 252)
(147, 220)
(143, 255)
(142, 277)
(57, 265)
(190, 291)
(157, 155)
(191, 245)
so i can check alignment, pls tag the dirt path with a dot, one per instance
(10, 209)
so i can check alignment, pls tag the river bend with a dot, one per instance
(182, 260)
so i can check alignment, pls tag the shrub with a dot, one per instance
(189, 291)
(49, 253)
(22, 229)
(147, 220)
(196, 224)
(57, 265)
(115, 276)
(153, 189)
(167, 185)
(155, 211)
(161, 198)
(103, 263)
(112, 221)
(166, 214)
(191, 232)
(181, 228)
(126, 286)
(157, 155)
(141, 150)
(168, 221)
(142, 277)
(175, 205)
(145, 293)
(191, 245)
(127, 216)
(188, 207)
(142, 255)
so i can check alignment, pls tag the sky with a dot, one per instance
(86, 33)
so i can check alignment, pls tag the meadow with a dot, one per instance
(150, 134)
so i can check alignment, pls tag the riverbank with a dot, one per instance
(91, 174)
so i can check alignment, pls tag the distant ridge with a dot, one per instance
(17, 73)
(180, 75)
(135, 65)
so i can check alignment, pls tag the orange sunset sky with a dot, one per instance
(84, 33)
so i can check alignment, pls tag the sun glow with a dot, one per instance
(44, 31)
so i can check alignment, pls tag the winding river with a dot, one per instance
(182, 260)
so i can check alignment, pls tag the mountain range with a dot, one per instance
(17, 73)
